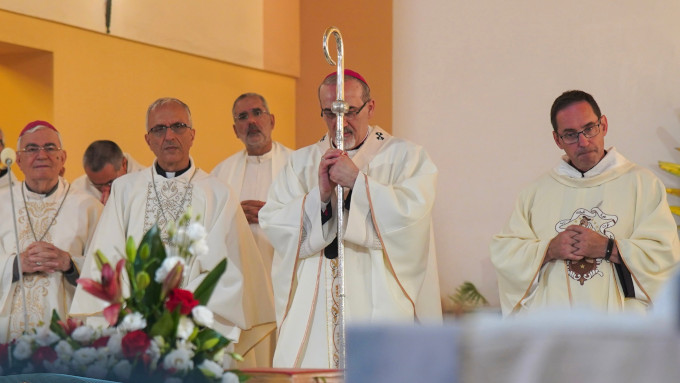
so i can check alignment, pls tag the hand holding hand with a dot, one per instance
(251, 208)
(44, 257)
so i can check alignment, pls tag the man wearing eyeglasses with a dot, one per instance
(389, 255)
(103, 162)
(4, 171)
(159, 195)
(595, 232)
(250, 173)
(54, 225)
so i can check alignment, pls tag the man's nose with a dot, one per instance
(583, 140)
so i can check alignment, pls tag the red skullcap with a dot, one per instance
(350, 73)
(34, 124)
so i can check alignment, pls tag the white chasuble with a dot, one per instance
(618, 200)
(66, 219)
(251, 178)
(390, 265)
(140, 199)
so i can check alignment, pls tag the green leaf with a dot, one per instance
(55, 326)
(151, 255)
(468, 295)
(209, 339)
(166, 325)
(205, 289)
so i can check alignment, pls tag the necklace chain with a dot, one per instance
(28, 214)
(158, 198)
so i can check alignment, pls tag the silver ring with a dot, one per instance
(38, 263)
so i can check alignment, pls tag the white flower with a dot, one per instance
(173, 379)
(45, 337)
(64, 350)
(114, 344)
(199, 248)
(109, 331)
(84, 356)
(211, 369)
(230, 377)
(168, 264)
(203, 316)
(123, 369)
(185, 328)
(179, 360)
(132, 322)
(22, 350)
(154, 350)
(83, 334)
(196, 232)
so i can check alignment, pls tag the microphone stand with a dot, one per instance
(8, 155)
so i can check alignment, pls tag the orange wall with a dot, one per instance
(366, 28)
(102, 85)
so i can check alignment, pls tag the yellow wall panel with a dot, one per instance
(102, 86)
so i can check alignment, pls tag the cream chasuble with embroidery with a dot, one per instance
(139, 200)
(69, 227)
(617, 199)
(390, 265)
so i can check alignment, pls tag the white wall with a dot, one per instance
(474, 82)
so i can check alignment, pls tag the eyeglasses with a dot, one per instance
(350, 114)
(590, 131)
(33, 150)
(177, 128)
(257, 113)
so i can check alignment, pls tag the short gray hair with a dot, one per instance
(163, 101)
(250, 94)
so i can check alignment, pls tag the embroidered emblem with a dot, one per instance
(593, 219)
(379, 135)
(173, 199)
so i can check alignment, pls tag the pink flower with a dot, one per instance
(135, 343)
(109, 289)
(69, 325)
(184, 298)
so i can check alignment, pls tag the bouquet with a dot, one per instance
(160, 332)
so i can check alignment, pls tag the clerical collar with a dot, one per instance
(49, 192)
(167, 174)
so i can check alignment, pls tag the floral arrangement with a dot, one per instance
(160, 332)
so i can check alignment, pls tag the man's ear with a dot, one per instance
(557, 140)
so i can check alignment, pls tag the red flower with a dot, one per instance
(135, 343)
(43, 353)
(101, 342)
(110, 288)
(70, 325)
(184, 298)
